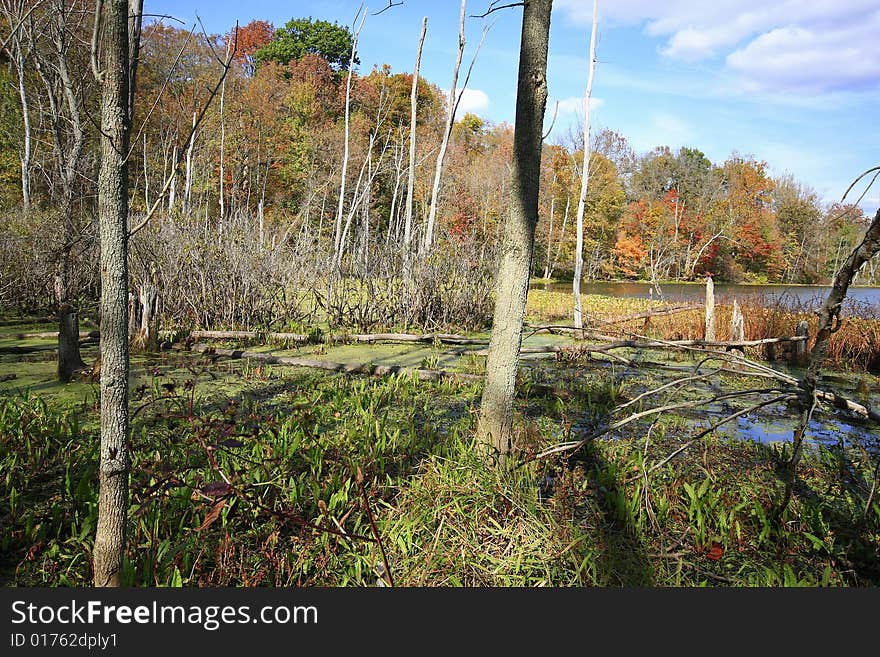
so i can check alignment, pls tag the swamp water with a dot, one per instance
(35, 371)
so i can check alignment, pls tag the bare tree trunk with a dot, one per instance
(549, 252)
(585, 178)
(113, 224)
(709, 333)
(450, 120)
(829, 322)
(561, 236)
(411, 176)
(15, 51)
(495, 425)
(172, 193)
(337, 238)
(187, 190)
(223, 144)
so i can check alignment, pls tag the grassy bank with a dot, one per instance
(855, 346)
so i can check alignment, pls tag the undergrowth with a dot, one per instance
(284, 489)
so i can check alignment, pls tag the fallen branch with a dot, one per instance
(54, 334)
(651, 313)
(446, 338)
(575, 445)
(705, 432)
(345, 368)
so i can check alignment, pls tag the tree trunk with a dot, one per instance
(709, 333)
(585, 178)
(337, 238)
(187, 190)
(69, 357)
(113, 225)
(450, 120)
(829, 322)
(411, 174)
(495, 426)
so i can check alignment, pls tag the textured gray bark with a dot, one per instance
(495, 427)
(113, 224)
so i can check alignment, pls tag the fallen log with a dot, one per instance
(446, 338)
(346, 368)
(648, 344)
(648, 314)
(54, 334)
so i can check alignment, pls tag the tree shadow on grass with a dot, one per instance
(839, 503)
(624, 560)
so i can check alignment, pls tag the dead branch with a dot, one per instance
(445, 338)
(492, 8)
(573, 446)
(227, 64)
(344, 368)
(389, 6)
(713, 427)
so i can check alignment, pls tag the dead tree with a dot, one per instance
(411, 174)
(829, 322)
(585, 178)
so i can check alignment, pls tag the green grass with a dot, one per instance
(248, 474)
(244, 488)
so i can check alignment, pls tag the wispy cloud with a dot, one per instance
(473, 101)
(811, 47)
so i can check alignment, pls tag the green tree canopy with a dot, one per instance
(301, 36)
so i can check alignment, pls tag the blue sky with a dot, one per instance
(795, 83)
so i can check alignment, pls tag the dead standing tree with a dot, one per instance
(585, 178)
(829, 322)
(495, 425)
(45, 50)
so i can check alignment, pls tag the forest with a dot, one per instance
(299, 297)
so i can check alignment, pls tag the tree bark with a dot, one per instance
(495, 425)
(585, 179)
(113, 225)
(709, 333)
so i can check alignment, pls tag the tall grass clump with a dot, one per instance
(461, 522)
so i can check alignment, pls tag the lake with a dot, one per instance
(861, 301)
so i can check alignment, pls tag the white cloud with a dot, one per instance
(473, 101)
(574, 105)
(811, 60)
(786, 45)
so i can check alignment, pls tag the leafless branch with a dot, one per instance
(856, 182)
(552, 122)
(161, 90)
(492, 8)
(18, 25)
(705, 432)
(390, 5)
(96, 30)
(573, 446)
(227, 64)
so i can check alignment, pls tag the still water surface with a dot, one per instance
(864, 301)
